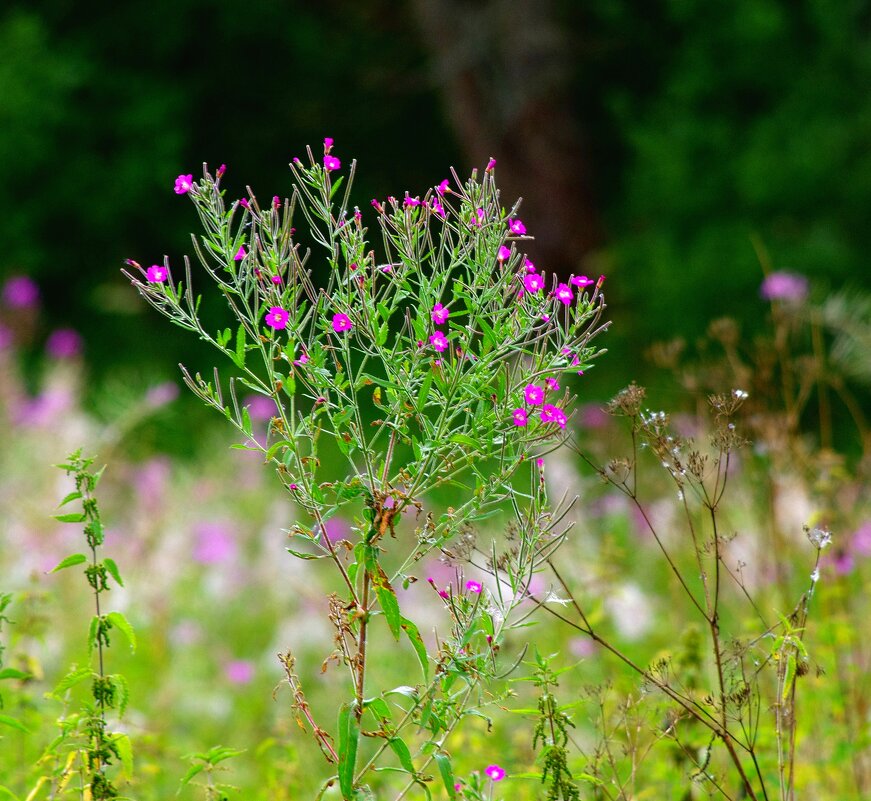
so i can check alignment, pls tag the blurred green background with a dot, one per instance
(650, 139)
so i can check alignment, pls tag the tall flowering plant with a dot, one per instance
(436, 366)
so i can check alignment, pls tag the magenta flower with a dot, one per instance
(328, 142)
(504, 253)
(516, 227)
(519, 418)
(184, 184)
(438, 341)
(240, 254)
(552, 384)
(564, 294)
(442, 187)
(301, 360)
(239, 671)
(533, 394)
(214, 542)
(331, 163)
(533, 283)
(276, 201)
(157, 274)
(437, 207)
(785, 286)
(64, 343)
(474, 586)
(20, 292)
(276, 279)
(860, 542)
(581, 281)
(243, 202)
(440, 314)
(479, 217)
(276, 317)
(160, 395)
(410, 202)
(341, 322)
(494, 773)
(530, 267)
(553, 414)
(491, 164)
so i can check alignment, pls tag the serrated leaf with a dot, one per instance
(14, 723)
(75, 517)
(123, 625)
(125, 752)
(74, 677)
(113, 570)
(413, 634)
(349, 737)
(240, 347)
(73, 496)
(401, 750)
(192, 771)
(122, 691)
(70, 561)
(447, 773)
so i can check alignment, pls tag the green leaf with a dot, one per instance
(384, 592)
(788, 676)
(123, 625)
(301, 555)
(12, 673)
(76, 517)
(6, 793)
(73, 496)
(378, 707)
(122, 692)
(70, 561)
(13, 723)
(125, 752)
(349, 737)
(192, 771)
(113, 570)
(401, 750)
(447, 773)
(74, 677)
(240, 347)
(413, 634)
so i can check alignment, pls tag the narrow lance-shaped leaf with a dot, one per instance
(349, 736)
(70, 561)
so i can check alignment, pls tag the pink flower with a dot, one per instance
(581, 281)
(243, 202)
(442, 187)
(440, 314)
(474, 586)
(410, 202)
(239, 671)
(328, 142)
(221, 170)
(533, 394)
(494, 773)
(539, 462)
(479, 217)
(341, 322)
(533, 283)
(303, 359)
(553, 414)
(516, 227)
(276, 279)
(276, 201)
(277, 317)
(530, 267)
(785, 286)
(260, 407)
(240, 254)
(156, 274)
(20, 292)
(438, 341)
(564, 294)
(519, 418)
(331, 163)
(64, 343)
(552, 384)
(184, 184)
(491, 164)
(214, 542)
(437, 207)
(504, 253)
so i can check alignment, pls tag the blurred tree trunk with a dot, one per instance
(504, 69)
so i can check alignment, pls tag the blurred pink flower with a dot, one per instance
(63, 343)
(45, 409)
(214, 542)
(860, 542)
(151, 481)
(161, 394)
(593, 416)
(20, 292)
(785, 286)
(239, 671)
(260, 407)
